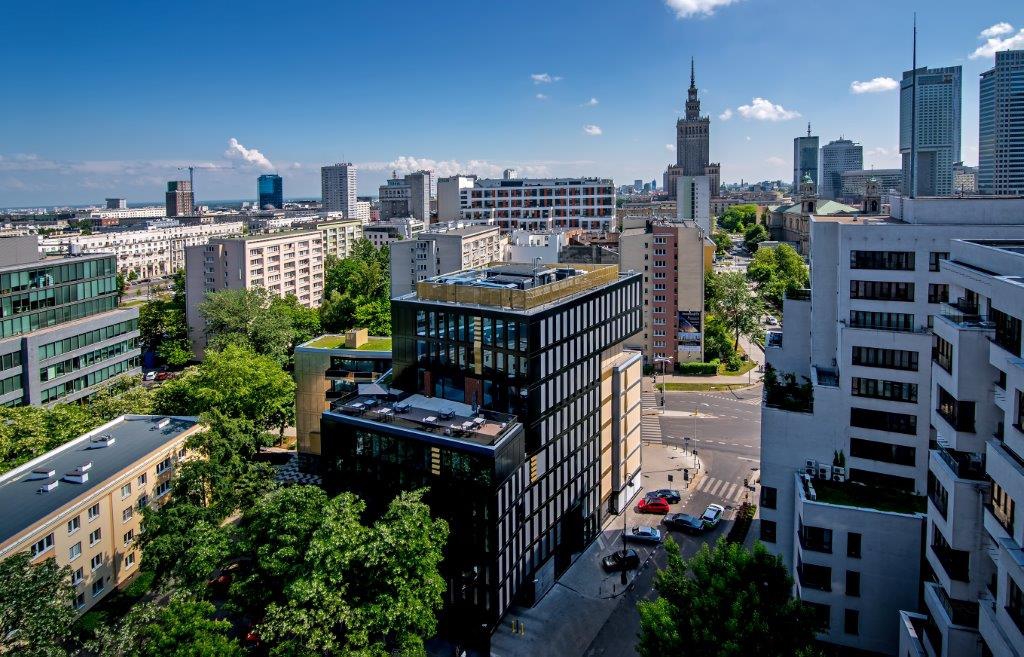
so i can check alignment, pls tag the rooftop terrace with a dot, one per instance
(848, 493)
(334, 341)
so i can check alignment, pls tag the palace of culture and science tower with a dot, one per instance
(693, 135)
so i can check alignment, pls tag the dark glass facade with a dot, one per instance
(270, 190)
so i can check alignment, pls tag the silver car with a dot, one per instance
(642, 534)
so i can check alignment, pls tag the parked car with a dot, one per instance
(712, 515)
(770, 320)
(163, 376)
(149, 376)
(621, 560)
(684, 522)
(642, 534)
(671, 495)
(656, 505)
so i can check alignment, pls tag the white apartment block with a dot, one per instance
(845, 449)
(443, 251)
(693, 201)
(362, 212)
(153, 252)
(284, 263)
(974, 601)
(536, 245)
(531, 203)
(396, 229)
(338, 188)
(150, 212)
(340, 236)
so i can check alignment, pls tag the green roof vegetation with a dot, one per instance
(871, 497)
(377, 344)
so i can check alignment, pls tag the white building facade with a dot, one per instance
(338, 188)
(443, 251)
(587, 203)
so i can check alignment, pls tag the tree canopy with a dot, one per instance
(163, 326)
(735, 304)
(754, 234)
(35, 606)
(778, 271)
(357, 290)
(259, 320)
(184, 627)
(725, 601)
(736, 218)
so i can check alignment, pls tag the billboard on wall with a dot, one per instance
(689, 335)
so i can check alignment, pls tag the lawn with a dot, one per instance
(377, 344)
(338, 342)
(871, 497)
(745, 367)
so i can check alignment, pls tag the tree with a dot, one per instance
(725, 601)
(738, 308)
(357, 291)
(364, 590)
(736, 218)
(163, 325)
(238, 382)
(718, 343)
(753, 234)
(250, 319)
(183, 628)
(778, 271)
(35, 606)
(722, 242)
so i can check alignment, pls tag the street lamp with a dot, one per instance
(696, 412)
(662, 360)
(629, 483)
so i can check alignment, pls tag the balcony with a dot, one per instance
(814, 577)
(799, 295)
(954, 562)
(964, 465)
(965, 315)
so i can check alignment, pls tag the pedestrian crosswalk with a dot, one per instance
(725, 490)
(650, 423)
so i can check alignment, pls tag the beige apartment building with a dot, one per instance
(285, 263)
(340, 236)
(81, 504)
(673, 257)
(621, 375)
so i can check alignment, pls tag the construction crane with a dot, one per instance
(192, 169)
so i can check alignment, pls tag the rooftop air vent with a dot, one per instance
(48, 486)
(79, 475)
(163, 423)
(44, 472)
(101, 441)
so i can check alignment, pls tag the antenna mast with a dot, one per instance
(913, 115)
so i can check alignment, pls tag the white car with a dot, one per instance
(771, 321)
(150, 376)
(712, 515)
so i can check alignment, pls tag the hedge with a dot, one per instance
(698, 369)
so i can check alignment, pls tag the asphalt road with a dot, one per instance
(727, 440)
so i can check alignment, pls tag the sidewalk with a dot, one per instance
(754, 352)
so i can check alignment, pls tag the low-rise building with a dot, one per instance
(443, 250)
(284, 263)
(384, 233)
(854, 183)
(82, 503)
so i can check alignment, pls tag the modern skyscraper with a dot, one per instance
(1001, 126)
(936, 122)
(408, 196)
(693, 135)
(117, 204)
(805, 159)
(270, 190)
(179, 199)
(338, 188)
(838, 156)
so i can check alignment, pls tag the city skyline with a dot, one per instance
(562, 104)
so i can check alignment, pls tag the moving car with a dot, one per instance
(621, 560)
(770, 320)
(642, 534)
(671, 495)
(712, 515)
(684, 522)
(655, 505)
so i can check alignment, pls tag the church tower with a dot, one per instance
(872, 197)
(808, 195)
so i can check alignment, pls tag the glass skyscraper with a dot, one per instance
(805, 159)
(270, 190)
(937, 124)
(1001, 126)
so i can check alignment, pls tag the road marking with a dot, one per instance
(731, 492)
(744, 458)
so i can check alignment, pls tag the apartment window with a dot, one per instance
(934, 257)
(94, 511)
(42, 545)
(74, 524)
(878, 320)
(77, 576)
(815, 539)
(79, 601)
(142, 502)
(768, 531)
(822, 615)
(815, 577)
(142, 480)
(162, 489)
(163, 466)
(126, 515)
(938, 494)
(96, 561)
(97, 587)
(867, 418)
(959, 414)
(851, 622)
(1007, 330)
(938, 293)
(1002, 507)
(853, 545)
(129, 536)
(882, 290)
(853, 583)
(1015, 603)
(95, 535)
(75, 551)
(886, 260)
(894, 359)
(1019, 419)
(879, 451)
(126, 490)
(878, 389)
(769, 496)
(942, 354)
(129, 560)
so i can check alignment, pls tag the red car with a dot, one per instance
(656, 505)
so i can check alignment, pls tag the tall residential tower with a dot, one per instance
(338, 188)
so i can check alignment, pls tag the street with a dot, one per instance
(587, 613)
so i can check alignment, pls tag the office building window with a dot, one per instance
(880, 451)
(853, 545)
(880, 389)
(867, 418)
(934, 257)
(882, 290)
(853, 583)
(851, 622)
(885, 260)
(768, 531)
(938, 293)
(894, 359)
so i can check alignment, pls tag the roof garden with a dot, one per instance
(846, 493)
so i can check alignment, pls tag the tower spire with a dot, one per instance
(692, 76)
(808, 128)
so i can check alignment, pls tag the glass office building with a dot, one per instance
(270, 191)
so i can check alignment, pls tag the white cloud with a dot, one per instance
(544, 78)
(249, 156)
(592, 130)
(688, 8)
(726, 115)
(874, 85)
(590, 103)
(775, 161)
(993, 42)
(998, 29)
(407, 164)
(542, 97)
(670, 147)
(762, 109)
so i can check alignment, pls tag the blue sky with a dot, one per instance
(108, 98)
